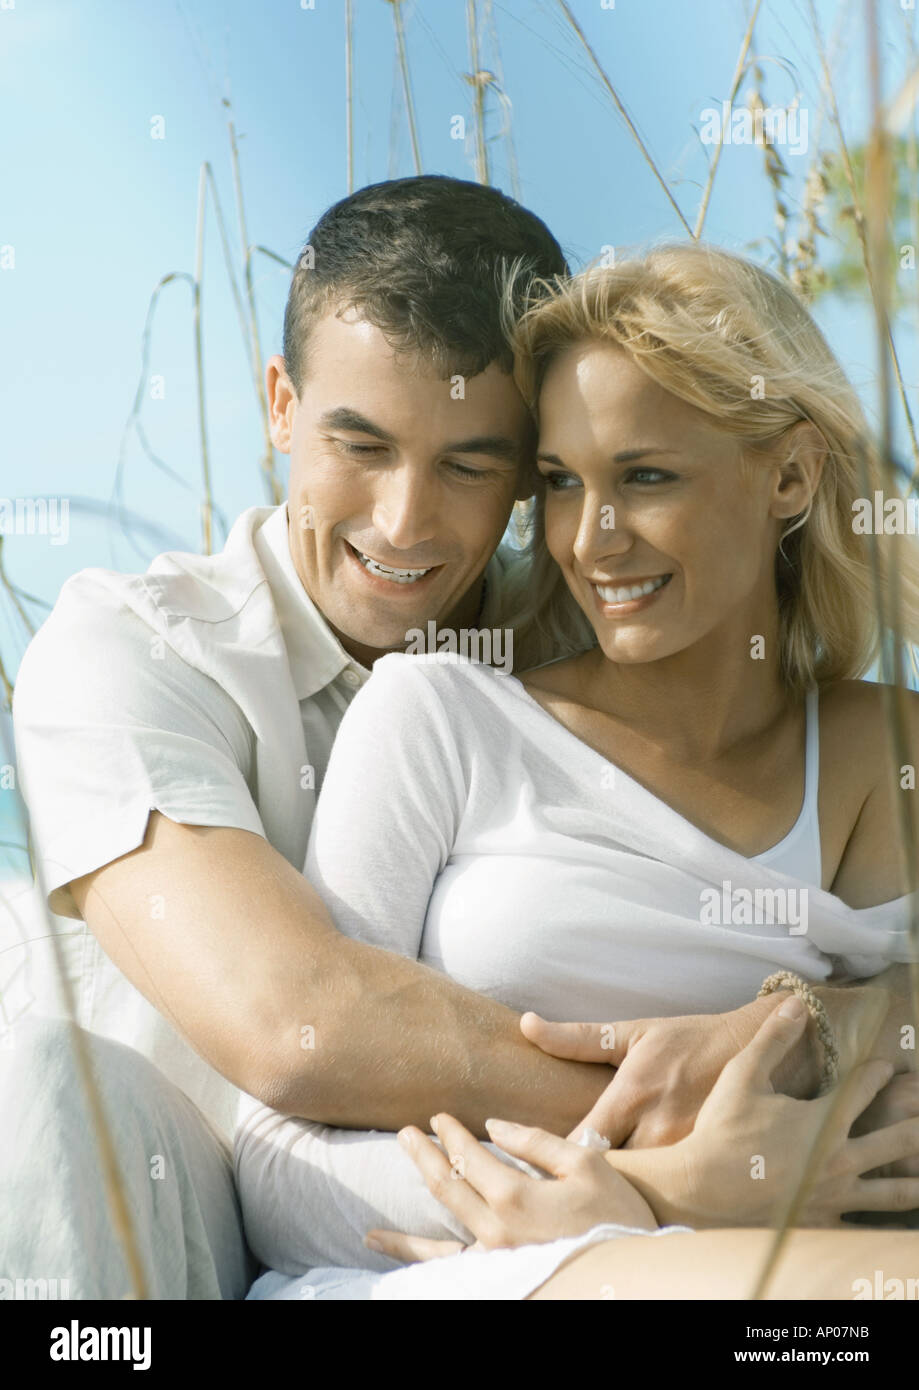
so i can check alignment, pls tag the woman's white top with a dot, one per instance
(460, 823)
(798, 853)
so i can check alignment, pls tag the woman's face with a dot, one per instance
(661, 539)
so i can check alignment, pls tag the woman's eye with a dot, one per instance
(560, 482)
(646, 475)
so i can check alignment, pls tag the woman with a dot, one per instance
(635, 831)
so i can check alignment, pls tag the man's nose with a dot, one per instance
(405, 508)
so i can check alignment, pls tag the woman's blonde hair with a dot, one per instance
(734, 341)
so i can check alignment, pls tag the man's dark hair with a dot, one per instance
(422, 259)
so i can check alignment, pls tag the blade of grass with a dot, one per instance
(349, 100)
(739, 70)
(859, 216)
(406, 83)
(563, 6)
(272, 482)
(878, 183)
(115, 1192)
(207, 504)
(501, 93)
(479, 81)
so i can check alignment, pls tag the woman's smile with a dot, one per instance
(627, 597)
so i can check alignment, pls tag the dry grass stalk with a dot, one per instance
(207, 504)
(739, 70)
(569, 17)
(406, 82)
(273, 482)
(479, 81)
(859, 219)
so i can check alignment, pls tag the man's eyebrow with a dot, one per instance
(494, 445)
(624, 456)
(343, 417)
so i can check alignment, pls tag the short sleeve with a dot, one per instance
(389, 809)
(110, 724)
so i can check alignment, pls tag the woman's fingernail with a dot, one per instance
(433, 1123)
(373, 1244)
(404, 1138)
(502, 1126)
(793, 1008)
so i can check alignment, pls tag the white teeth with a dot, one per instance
(628, 592)
(385, 572)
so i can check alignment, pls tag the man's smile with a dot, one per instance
(389, 574)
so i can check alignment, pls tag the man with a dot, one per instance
(172, 731)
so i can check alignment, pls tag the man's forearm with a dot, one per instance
(384, 1041)
(247, 964)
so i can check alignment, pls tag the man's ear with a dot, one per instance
(801, 454)
(282, 402)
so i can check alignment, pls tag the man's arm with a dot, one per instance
(243, 959)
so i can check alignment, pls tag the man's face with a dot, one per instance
(400, 486)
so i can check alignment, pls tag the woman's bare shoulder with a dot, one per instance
(865, 774)
(861, 710)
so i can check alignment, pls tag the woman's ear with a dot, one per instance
(801, 453)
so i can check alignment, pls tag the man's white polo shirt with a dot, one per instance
(210, 689)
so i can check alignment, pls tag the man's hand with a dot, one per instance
(665, 1067)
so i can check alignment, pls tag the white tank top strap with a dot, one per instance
(799, 852)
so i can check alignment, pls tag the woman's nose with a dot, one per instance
(603, 530)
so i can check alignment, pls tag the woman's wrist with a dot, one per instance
(865, 1019)
(798, 1074)
(662, 1176)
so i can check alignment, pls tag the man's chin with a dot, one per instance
(382, 637)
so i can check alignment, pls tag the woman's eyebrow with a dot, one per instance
(624, 456)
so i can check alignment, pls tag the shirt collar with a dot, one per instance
(316, 656)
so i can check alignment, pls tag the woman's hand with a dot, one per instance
(744, 1160)
(665, 1068)
(503, 1206)
(899, 1100)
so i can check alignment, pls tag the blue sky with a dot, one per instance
(97, 211)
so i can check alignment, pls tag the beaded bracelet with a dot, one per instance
(784, 979)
